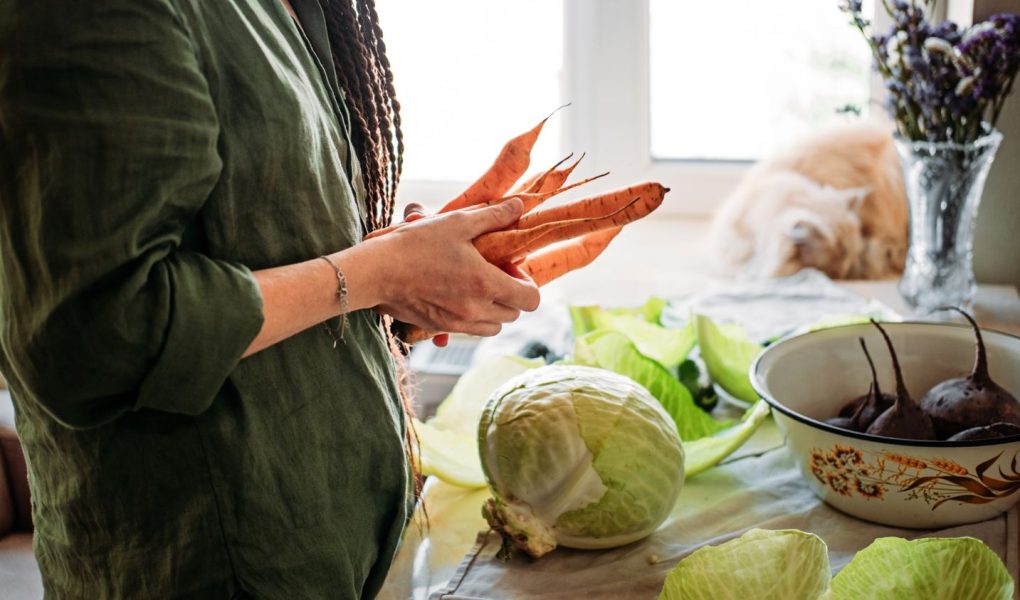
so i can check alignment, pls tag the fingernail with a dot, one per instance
(413, 208)
(513, 205)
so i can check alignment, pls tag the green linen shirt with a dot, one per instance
(152, 154)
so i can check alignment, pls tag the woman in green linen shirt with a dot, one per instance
(170, 173)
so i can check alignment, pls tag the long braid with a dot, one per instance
(369, 100)
(390, 119)
(365, 76)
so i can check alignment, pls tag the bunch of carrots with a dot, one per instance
(545, 243)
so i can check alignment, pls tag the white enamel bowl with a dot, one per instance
(916, 484)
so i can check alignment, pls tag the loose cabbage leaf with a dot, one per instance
(584, 319)
(794, 565)
(761, 564)
(930, 568)
(703, 454)
(615, 351)
(728, 354)
(463, 406)
(667, 346)
(450, 455)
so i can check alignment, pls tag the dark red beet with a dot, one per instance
(841, 422)
(995, 430)
(904, 419)
(853, 422)
(969, 402)
(875, 403)
(860, 413)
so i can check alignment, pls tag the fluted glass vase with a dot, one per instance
(944, 183)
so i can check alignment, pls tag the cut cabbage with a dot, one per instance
(579, 457)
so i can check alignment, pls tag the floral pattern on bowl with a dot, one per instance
(848, 471)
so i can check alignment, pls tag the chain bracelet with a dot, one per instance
(337, 333)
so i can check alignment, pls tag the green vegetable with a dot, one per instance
(669, 347)
(584, 319)
(690, 375)
(615, 351)
(728, 355)
(794, 565)
(704, 453)
(579, 457)
(929, 568)
(448, 441)
(628, 341)
(761, 564)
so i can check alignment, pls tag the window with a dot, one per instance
(732, 79)
(469, 75)
(681, 91)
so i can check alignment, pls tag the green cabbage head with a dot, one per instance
(579, 457)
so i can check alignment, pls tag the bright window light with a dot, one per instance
(469, 76)
(735, 79)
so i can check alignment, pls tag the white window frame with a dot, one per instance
(606, 67)
(607, 70)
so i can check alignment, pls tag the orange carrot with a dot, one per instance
(532, 200)
(534, 183)
(512, 245)
(561, 258)
(558, 177)
(602, 204)
(509, 166)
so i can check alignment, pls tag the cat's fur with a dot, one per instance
(834, 202)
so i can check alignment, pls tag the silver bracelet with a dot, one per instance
(341, 293)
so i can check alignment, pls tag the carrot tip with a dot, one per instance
(558, 109)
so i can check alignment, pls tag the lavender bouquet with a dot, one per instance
(945, 84)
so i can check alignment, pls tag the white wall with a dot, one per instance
(997, 236)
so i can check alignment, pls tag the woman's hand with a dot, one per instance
(433, 276)
(412, 212)
(425, 272)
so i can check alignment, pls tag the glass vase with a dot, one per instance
(944, 183)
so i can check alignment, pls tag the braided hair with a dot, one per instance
(365, 76)
(363, 72)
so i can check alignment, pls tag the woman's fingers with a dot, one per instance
(517, 291)
(491, 218)
(500, 313)
(514, 270)
(413, 211)
(479, 328)
(439, 282)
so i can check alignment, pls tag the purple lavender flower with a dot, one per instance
(948, 31)
(943, 83)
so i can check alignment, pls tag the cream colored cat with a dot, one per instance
(834, 202)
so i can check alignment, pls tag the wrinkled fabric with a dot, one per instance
(457, 558)
(153, 153)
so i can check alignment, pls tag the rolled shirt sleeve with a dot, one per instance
(108, 156)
